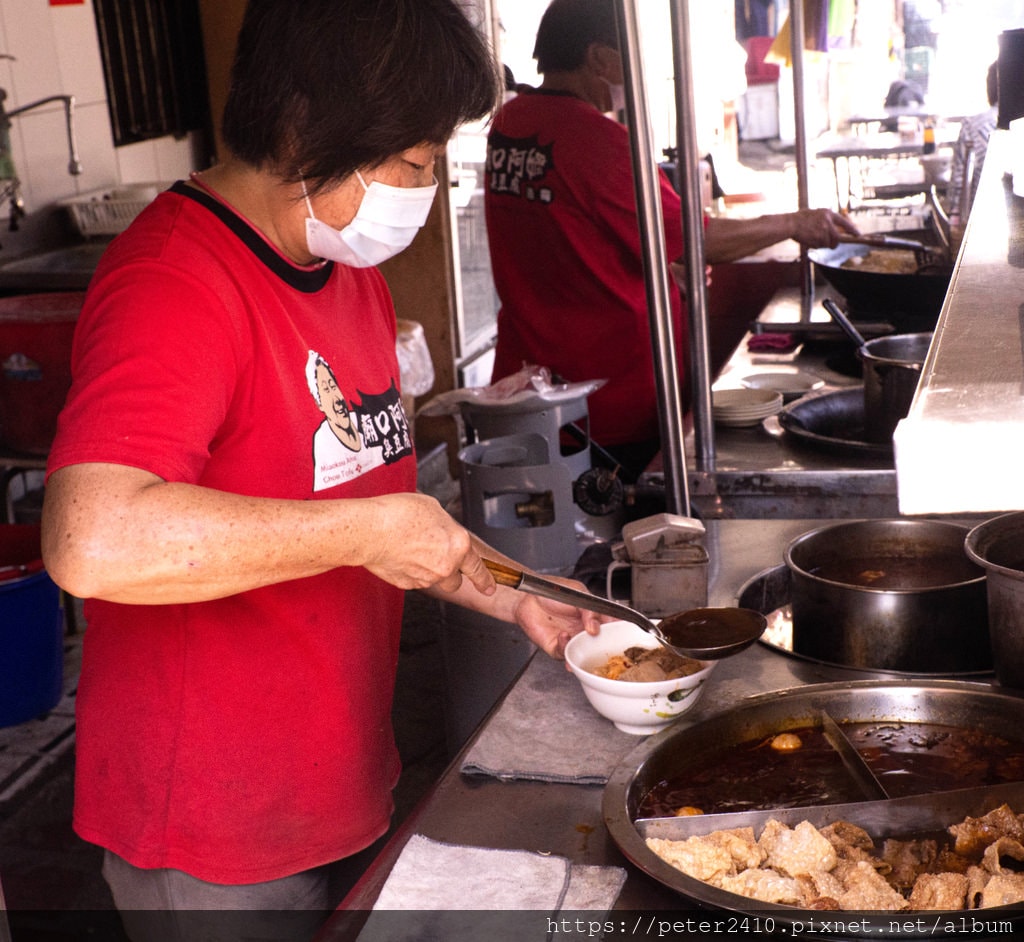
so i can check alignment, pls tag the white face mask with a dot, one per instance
(386, 222)
(618, 93)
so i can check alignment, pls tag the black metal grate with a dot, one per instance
(154, 67)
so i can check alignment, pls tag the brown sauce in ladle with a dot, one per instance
(705, 634)
(711, 633)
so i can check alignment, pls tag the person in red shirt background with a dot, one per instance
(564, 237)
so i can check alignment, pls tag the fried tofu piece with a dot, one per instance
(865, 889)
(709, 857)
(820, 890)
(939, 891)
(973, 835)
(824, 904)
(1003, 889)
(764, 885)
(1000, 849)
(976, 880)
(907, 860)
(742, 845)
(845, 837)
(796, 851)
(696, 857)
(845, 867)
(949, 861)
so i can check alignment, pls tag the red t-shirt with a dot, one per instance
(248, 738)
(565, 251)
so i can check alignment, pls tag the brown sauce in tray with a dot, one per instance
(907, 758)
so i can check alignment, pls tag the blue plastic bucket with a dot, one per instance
(31, 628)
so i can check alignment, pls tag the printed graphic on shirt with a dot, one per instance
(517, 167)
(353, 439)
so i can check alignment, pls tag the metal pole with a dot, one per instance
(796, 40)
(656, 271)
(5, 926)
(693, 236)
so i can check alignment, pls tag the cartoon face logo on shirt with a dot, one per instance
(332, 404)
(353, 440)
(517, 167)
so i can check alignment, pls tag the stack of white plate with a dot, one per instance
(791, 383)
(743, 407)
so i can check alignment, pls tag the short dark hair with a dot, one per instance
(567, 29)
(321, 88)
(992, 83)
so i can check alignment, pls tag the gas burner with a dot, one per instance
(599, 492)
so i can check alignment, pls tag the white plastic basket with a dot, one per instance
(110, 211)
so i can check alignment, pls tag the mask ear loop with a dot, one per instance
(305, 192)
(305, 196)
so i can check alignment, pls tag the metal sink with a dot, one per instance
(66, 268)
(72, 259)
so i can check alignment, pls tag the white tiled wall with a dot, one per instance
(56, 52)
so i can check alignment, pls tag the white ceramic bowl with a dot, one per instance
(638, 708)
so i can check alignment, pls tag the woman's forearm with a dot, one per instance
(125, 535)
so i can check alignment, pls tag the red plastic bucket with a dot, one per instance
(36, 331)
(31, 628)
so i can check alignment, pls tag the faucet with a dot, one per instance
(11, 188)
(74, 164)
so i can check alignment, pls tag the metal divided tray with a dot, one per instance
(670, 753)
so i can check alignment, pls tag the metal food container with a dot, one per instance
(896, 595)
(998, 546)
(675, 751)
(892, 369)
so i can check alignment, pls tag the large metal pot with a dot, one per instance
(998, 546)
(911, 302)
(895, 595)
(892, 369)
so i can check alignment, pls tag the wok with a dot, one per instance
(834, 422)
(910, 302)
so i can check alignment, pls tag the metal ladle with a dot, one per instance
(706, 634)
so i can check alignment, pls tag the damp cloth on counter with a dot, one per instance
(546, 730)
(772, 343)
(456, 892)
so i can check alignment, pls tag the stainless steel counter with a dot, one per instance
(566, 819)
(961, 448)
(765, 472)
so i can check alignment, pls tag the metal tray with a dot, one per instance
(951, 703)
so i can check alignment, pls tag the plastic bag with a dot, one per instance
(414, 363)
(530, 383)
